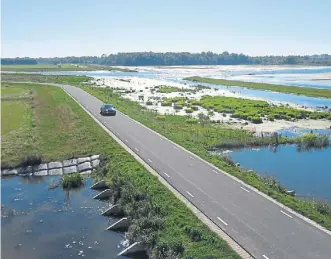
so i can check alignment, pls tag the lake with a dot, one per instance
(308, 173)
(42, 223)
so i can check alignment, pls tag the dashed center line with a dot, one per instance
(222, 221)
(265, 257)
(150, 160)
(215, 171)
(192, 157)
(244, 189)
(136, 149)
(190, 194)
(126, 141)
(167, 175)
(286, 214)
(175, 147)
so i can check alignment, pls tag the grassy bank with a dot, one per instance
(62, 67)
(51, 124)
(313, 92)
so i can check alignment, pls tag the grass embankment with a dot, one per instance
(198, 138)
(171, 89)
(62, 67)
(52, 124)
(313, 92)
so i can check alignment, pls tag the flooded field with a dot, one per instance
(41, 222)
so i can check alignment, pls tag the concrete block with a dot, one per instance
(70, 162)
(40, 167)
(121, 224)
(41, 173)
(95, 157)
(53, 165)
(100, 185)
(56, 171)
(70, 169)
(95, 163)
(84, 167)
(12, 172)
(86, 172)
(134, 248)
(25, 170)
(103, 195)
(112, 211)
(83, 160)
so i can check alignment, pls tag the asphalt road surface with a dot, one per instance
(263, 228)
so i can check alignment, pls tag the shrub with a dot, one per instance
(192, 121)
(323, 208)
(194, 234)
(189, 110)
(31, 160)
(73, 180)
(178, 107)
(161, 117)
(194, 108)
(255, 119)
(166, 103)
(149, 103)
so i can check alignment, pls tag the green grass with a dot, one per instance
(313, 92)
(62, 130)
(70, 181)
(172, 89)
(255, 111)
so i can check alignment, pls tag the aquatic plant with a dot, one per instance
(73, 180)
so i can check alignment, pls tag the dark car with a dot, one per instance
(108, 109)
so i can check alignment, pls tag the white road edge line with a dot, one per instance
(136, 149)
(222, 221)
(150, 160)
(167, 175)
(265, 257)
(190, 194)
(244, 189)
(286, 214)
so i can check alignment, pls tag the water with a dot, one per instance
(308, 173)
(287, 75)
(43, 223)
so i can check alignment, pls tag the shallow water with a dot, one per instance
(308, 173)
(270, 74)
(43, 223)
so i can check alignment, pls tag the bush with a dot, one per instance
(194, 108)
(192, 121)
(189, 110)
(31, 160)
(323, 208)
(166, 103)
(73, 180)
(149, 103)
(255, 119)
(178, 107)
(161, 117)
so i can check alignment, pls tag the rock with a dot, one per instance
(25, 170)
(86, 172)
(83, 160)
(237, 164)
(95, 163)
(53, 165)
(84, 167)
(70, 169)
(56, 171)
(94, 157)
(10, 172)
(40, 167)
(70, 162)
(250, 171)
(41, 173)
(292, 192)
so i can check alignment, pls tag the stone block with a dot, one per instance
(70, 162)
(25, 170)
(41, 173)
(40, 167)
(9, 172)
(70, 169)
(84, 167)
(83, 160)
(86, 172)
(95, 157)
(53, 165)
(95, 163)
(55, 171)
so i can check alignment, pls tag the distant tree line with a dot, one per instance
(181, 58)
(18, 61)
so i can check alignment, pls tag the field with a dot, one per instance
(62, 67)
(43, 120)
(313, 92)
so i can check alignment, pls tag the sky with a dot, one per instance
(45, 28)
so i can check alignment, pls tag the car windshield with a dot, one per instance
(108, 106)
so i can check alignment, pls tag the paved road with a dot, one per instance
(262, 227)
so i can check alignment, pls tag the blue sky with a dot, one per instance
(84, 27)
